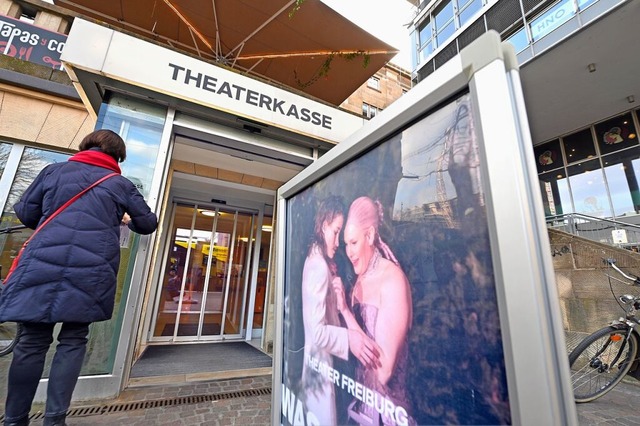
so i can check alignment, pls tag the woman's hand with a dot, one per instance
(338, 289)
(126, 219)
(365, 349)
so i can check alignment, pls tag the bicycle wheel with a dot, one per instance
(9, 335)
(600, 361)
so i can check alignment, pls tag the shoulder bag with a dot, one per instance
(14, 264)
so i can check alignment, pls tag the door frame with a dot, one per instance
(249, 285)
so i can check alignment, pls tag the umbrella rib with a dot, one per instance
(250, 70)
(317, 53)
(194, 41)
(264, 24)
(190, 26)
(215, 18)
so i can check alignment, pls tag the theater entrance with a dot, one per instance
(212, 256)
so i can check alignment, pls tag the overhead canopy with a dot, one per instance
(311, 49)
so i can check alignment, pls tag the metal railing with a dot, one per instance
(608, 231)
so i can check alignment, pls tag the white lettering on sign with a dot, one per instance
(552, 19)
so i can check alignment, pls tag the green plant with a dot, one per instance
(323, 70)
(296, 8)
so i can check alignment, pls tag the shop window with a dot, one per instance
(579, 146)
(140, 125)
(548, 156)
(555, 193)
(622, 170)
(5, 149)
(33, 160)
(616, 134)
(588, 189)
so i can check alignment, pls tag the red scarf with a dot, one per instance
(97, 158)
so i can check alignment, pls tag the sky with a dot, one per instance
(385, 19)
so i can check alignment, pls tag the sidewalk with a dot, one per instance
(248, 402)
(244, 401)
(618, 407)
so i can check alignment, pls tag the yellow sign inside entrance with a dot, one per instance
(219, 252)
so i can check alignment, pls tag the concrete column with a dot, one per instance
(10, 8)
(51, 21)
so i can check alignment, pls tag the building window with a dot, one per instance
(369, 111)
(519, 40)
(373, 83)
(579, 146)
(467, 9)
(552, 19)
(616, 134)
(445, 24)
(598, 177)
(442, 22)
(425, 41)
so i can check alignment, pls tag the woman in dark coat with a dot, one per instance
(68, 272)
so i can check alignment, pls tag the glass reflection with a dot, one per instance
(32, 162)
(622, 177)
(589, 189)
(555, 193)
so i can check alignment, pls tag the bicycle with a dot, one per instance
(604, 357)
(9, 331)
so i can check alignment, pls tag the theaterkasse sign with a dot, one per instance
(107, 52)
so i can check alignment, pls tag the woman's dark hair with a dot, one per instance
(330, 208)
(108, 141)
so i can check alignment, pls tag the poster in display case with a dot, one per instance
(414, 279)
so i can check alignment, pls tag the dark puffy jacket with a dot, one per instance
(68, 271)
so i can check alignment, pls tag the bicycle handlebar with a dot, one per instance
(12, 229)
(612, 263)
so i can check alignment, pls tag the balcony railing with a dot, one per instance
(608, 231)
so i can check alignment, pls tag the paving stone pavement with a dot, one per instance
(242, 410)
(621, 406)
(618, 407)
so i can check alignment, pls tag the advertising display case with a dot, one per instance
(414, 275)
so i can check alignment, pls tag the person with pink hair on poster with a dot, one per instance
(381, 306)
(324, 336)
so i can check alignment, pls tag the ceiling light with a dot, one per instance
(591, 67)
(208, 212)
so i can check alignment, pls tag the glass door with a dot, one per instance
(206, 274)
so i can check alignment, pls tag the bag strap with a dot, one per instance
(69, 202)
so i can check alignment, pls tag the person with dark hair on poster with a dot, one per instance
(323, 334)
(381, 306)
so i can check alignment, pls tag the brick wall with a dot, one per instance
(392, 82)
(586, 300)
